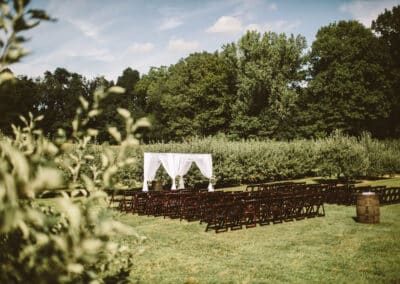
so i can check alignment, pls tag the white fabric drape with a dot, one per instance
(150, 167)
(185, 163)
(175, 165)
(171, 165)
(204, 163)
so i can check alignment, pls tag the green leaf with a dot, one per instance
(73, 157)
(47, 178)
(91, 246)
(141, 123)
(92, 132)
(20, 24)
(71, 211)
(39, 118)
(20, 39)
(115, 133)
(104, 161)
(89, 184)
(76, 268)
(116, 90)
(6, 76)
(84, 103)
(124, 113)
(23, 119)
(40, 15)
(94, 112)
(5, 8)
(75, 125)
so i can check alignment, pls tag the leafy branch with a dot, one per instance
(14, 20)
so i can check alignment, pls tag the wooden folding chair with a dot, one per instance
(251, 211)
(190, 208)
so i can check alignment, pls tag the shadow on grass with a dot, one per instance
(360, 180)
(334, 181)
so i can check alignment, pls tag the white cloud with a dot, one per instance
(141, 47)
(226, 25)
(170, 23)
(273, 7)
(63, 57)
(246, 8)
(96, 53)
(366, 11)
(280, 26)
(30, 69)
(181, 45)
(171, 17)
(254, 27)
(233, 26)
(88, 29)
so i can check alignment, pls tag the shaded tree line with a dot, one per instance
(56, 96)
(263, 86)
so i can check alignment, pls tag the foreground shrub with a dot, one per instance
(67, 243)
(70, 242)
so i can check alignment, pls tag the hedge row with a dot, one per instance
(242, 162)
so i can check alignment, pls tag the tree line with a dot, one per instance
(262, 86)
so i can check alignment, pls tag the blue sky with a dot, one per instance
(103, 37)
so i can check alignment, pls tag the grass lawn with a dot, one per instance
(389, 182)
(330, 249)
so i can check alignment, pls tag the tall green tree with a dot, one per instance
(193, 97)
(151, 89)
(268, 68)
(128, 80)
(348, 87)
(15, 19)
(387, 27)
(108, 116)
(59, 98)
(17, 98)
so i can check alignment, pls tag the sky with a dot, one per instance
(103, 37)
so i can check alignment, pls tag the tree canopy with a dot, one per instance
(347, 88)
(265, 85)
(387, 26)
(267, 75)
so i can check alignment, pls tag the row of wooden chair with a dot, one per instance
(342, 194)
(222, 210)
(348, 195)
(259, 204)
(263, 209)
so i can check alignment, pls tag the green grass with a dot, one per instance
(330, 249)
(389, 182)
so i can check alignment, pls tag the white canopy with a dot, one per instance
(176, 165)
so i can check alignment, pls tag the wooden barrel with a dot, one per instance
(368, 208)
(157, 185)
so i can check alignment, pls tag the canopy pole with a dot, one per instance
(181, 183)
(210, 187)
(173, 187)
(145, 186)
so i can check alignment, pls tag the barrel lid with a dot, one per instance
(368, 193)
